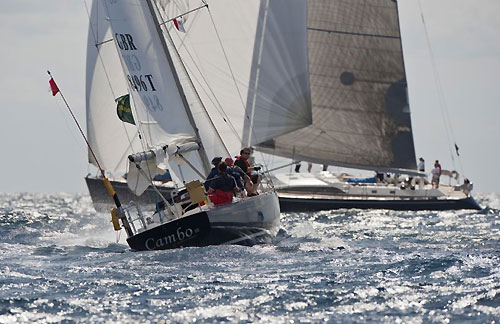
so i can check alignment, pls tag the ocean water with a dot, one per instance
(60, 262)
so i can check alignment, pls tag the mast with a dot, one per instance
(201, 150)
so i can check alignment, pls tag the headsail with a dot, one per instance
(248, 59)
(361, 116)
(111, 139)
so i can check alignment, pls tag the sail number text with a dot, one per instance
(138, 81)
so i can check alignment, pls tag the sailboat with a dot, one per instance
(174, 130)
(361, 118)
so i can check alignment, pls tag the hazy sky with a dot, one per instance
(42, 150)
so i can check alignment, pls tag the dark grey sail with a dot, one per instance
(361, 116)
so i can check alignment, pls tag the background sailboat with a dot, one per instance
(361, 115)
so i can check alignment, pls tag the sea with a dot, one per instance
(60, 261)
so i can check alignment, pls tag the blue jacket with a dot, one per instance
(213, 173)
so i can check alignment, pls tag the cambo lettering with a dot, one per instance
(177, 236)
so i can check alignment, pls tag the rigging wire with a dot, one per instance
(233, 76)
(444, 109)
(213, 99)
(191, 84)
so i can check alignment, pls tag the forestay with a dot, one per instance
(361, 116)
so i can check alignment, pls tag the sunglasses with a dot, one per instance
(245, 153)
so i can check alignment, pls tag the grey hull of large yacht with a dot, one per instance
(290, 204)
(103, 202)
(248, 222)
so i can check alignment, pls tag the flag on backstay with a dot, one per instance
(53, 86)
(123, 109)
(179, 25)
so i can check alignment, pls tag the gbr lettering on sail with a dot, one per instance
(137, 80)
(152, 80)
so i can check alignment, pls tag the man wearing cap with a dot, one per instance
(213, 173)
(242, 162)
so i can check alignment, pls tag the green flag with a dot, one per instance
(123, 109)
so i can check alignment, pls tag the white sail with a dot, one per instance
(160, 112)
(248, 60)
(111, 139)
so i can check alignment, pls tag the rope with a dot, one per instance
(234, 78)
(444, 109)
(193, 88)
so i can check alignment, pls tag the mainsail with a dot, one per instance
(160, 111)
(361, 116)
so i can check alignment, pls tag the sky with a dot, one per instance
(455, 69)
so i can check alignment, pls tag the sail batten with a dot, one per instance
(351, 33)
(361, 116)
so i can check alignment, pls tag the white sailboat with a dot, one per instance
(361, 117)
(178, 131)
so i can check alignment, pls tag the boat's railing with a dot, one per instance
(139, 220)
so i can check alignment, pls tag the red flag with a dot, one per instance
(53, 87)
(179, 25)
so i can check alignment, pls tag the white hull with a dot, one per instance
(324, 190)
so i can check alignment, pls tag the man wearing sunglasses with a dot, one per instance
(242, 162)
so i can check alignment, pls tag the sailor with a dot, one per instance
(242, 160)
(235, 172)
(309, 167)
(421, 165)
(436, 173)
(297, 167)
(223, 187)
(213, 173)
(420, 181)
(252, 183)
